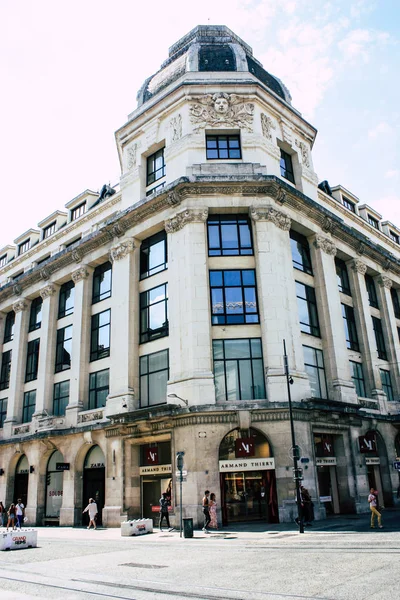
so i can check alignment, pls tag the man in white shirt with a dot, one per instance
(373, 502)
(19, 510)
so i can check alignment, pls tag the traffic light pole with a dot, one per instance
(295, 448)
(179, 464)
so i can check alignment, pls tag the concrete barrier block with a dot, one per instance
(136, 527)
(18, 539)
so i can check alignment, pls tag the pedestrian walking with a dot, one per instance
(11, 516)
(3, 515)
(212, 505)
(307, 505)
(20, 513)
(92, 510)
(164, 510)
(206, 510)
(373, 505)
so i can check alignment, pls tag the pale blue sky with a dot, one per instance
(71, 70)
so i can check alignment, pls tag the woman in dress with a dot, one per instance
(213, 511)
(11, 517)
(92, 510)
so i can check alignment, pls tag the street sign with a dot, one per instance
(295, 452)
(304, 460)
(184, 473)
(396, 465)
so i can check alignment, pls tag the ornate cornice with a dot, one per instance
(47, 291)
(325, 244)
(20, 305)
(122, 250)
(174, 198)
(269, 213)
(79, 274)
(385, 282)
(187, 216)
(358, 266)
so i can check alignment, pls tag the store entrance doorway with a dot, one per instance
(94, 477)
(21, 481)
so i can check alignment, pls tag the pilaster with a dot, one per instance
(44, 390)
(390, 331)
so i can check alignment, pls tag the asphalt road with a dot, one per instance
(341, 559)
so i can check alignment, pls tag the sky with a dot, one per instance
(70, 72)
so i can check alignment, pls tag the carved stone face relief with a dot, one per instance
(222, 110)
(221, 105)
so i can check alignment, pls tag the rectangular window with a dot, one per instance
(5, 370)
(9, 327)
(155, 189)
(357, 376)
(60, 398)
(73, 242)
(286, 166)
(100, 335)
(63, 349)
(314, 365)
(49, 230)
(154, 314)
(393, 236)
(233, 297)
(300, 252)
(3, 260)
(387, 384)
(238, 370)
(3, 411)
(32, 360)
(78, 211)
(307, 307)
(154, 374)
(349, 205)
(155, 167)
(24, 247)
(153, 255)
(350, 329)
(35, 318)
(98, 388)
(229, 235)
(29, 406)
(342, 277)
(373, 222)
(66, 299)
(102, 277)
(223, 146)
(395, 301)
(371, 291)
(380, 340)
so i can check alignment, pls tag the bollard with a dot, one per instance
(188, 527)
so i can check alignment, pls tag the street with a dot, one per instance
(333, 560)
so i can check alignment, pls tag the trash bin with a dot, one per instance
(188, 528)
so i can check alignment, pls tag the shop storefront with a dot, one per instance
(326, 461)
(54, 488)
(21, 480)
(247, 478)
(155, 477)
(94, 482)
(373, 449)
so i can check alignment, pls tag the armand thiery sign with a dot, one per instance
(247, 464)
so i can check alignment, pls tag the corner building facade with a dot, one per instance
(149, 319)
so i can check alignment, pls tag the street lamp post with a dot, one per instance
(297, 473)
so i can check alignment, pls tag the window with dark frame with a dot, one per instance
(372, 221)
(301, 257)
(342, 277)
(286, 165)
(102, 282)
(35, 317)
(229, 235)
(153, 255)
(307, 307)
(349, 205)
(387, 384)
(78, 211)
(395, 301)
(238, 370)
(66, 299)
(379, 338)
(5, 370)
(357, 376)
(99, 385)
(73, 242)
(371, 291)
(155, 188)
(314, 366)
(3, 260)
(29, 406)
(393, 236)
(350, 328)
(223, 147)
(100, 335)
(155, 167)
(233, 297)
(49, 230)
(63, 349)
(9, 327)
(3, 411)
(154, 313)
(154, 374)
(60, 398)
(24, 247)
(32, 360)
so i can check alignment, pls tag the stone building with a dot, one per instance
(149, 319)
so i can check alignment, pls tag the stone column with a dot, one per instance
(278, 306)
(389, 331)
(3, 317)
(191, 375)
(18, 365)
(124, 383)
(114, 500)
(44, 390)
(365, 331)
(340, 384)
(79, 372)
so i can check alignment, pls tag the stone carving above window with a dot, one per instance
(266, 126)
(90, 416)
(122, 250)
(305, 154)
(174, 198)
(325, 244)
(359, 267)
(276, 217)
(385, 282)
(329, 225)
(17, 289)
(131, 155)
(44, 274)
(22, 429)
(176, 127)
(187, 216)
(79, 274)
(77, 255)
(47, 291)
(222, 110)
(20, 305)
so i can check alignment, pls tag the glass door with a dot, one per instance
(245, 496)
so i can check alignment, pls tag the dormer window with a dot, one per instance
(24, 247)
(373, 222)
(49, 230)
(155, 168)
(349, 205)
(3, 260)
(223, 146)
(78, 211)
(287, 166)
(393, 236)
